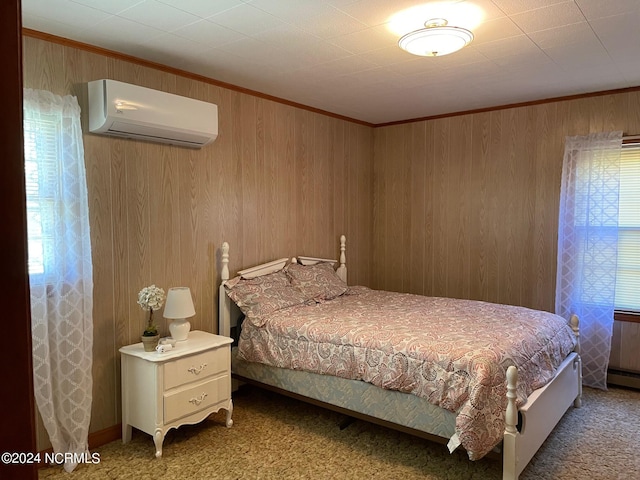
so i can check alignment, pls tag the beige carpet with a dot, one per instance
(275, 437)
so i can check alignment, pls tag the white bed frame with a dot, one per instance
(538, 417)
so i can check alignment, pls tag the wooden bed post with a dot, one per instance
(509, 462)
(575, 326)
(342, 269)
(575, 322)
(224, 320)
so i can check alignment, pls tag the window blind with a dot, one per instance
(41, 173)
(628, 272)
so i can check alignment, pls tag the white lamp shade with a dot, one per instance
(179, 303)
(179, 306)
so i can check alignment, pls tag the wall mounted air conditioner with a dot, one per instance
(124, 110)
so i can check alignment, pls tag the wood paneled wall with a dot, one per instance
(278, 181)
(467, 206)
(464, 206)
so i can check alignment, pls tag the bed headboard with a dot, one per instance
(227, 311)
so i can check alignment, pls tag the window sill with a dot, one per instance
(626, 316)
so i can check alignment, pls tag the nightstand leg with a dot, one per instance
(126, 433)
(158, 438)
(229, 412)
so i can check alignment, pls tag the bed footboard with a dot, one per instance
(542, 412)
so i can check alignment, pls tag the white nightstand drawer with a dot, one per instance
(196, 398)
(196, 367)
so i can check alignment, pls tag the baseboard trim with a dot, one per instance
(102, 437)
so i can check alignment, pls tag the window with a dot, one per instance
(627, 297)
(56, 190)
(41, 174)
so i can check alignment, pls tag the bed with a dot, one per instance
(403, 361)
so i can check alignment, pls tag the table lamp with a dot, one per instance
(179, 307)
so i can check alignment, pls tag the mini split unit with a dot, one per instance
(123, 110)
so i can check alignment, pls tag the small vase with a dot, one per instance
(150, 343)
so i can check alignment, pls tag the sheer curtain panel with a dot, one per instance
(60, 271)
(588, 245)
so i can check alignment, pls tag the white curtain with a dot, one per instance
(60, 269)
(588, 245)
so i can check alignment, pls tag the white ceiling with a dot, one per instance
(341, 57)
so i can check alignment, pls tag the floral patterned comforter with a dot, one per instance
(452, 352)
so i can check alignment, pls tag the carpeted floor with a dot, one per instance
(275, 437)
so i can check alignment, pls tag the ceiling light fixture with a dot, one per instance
(436, 39)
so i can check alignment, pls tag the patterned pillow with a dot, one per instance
(317, 282)
(260, 296)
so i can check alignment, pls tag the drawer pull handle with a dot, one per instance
(198, 400)
(196, 371)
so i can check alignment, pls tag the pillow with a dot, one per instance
(260, 296)
(317, 282)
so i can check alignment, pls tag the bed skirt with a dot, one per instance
(398, 408)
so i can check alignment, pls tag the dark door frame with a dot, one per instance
(17, 428)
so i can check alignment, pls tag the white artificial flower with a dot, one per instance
(151, 298)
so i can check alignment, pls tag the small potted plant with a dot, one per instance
(150, 298)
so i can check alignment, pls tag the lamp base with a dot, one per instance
(179, 329)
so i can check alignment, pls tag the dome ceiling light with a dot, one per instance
(436, 39)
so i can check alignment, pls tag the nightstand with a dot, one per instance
(185, 385)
